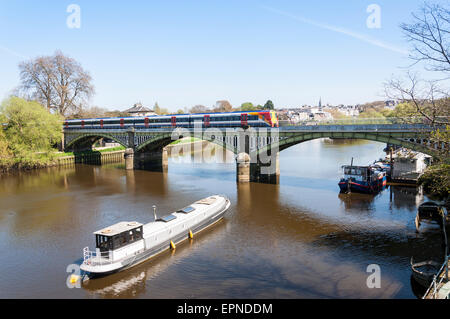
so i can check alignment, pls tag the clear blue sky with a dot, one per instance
(183, 53)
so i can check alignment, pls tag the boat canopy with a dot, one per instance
(206, 201)
(355, 170)
(118, 228)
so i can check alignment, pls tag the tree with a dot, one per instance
(30, 127)
(156, 108)
(426, 98)
(247, 106)
(269, 105)
(4, 147)
(199, 109)
(430, 37)
(223, 106)
(58, 82)
(91, 112)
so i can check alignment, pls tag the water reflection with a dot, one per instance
(298, 239)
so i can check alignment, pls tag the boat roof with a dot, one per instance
(117, 228)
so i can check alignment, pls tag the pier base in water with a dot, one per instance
(129, 158)
(262, 170)
(152, 160)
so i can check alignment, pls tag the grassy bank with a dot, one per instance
(43, 159)
(112, 149)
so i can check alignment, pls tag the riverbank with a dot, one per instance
(436, 180)
(95, 156)
(50, 159)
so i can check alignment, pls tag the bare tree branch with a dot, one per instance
(57, 81)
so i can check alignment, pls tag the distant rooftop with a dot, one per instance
(138, 108)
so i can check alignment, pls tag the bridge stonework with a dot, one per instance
(256, 149)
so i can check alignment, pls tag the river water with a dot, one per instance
(298, 239)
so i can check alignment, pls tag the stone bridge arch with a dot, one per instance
(413, 141)
(82, 142)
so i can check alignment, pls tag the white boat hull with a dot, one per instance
(152, 245)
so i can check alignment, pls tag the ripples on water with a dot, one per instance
(298, 239)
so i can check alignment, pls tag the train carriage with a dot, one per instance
(204, 120)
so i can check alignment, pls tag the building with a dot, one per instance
(409, 165)
(139, 110)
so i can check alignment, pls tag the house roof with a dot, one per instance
(138, 107)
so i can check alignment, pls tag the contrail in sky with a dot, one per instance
(4, 49)
(350, 33)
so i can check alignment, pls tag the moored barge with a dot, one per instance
(362, 179)
(127, 244)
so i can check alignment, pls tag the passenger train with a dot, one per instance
(227, 119)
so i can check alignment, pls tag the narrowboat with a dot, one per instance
(127, 244)
(362, 179)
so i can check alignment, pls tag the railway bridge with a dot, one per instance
(256, 149)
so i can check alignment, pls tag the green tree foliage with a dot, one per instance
(436, 180)
(269, 105)
(4, 149)
(31, 128)
(337, 115)
(248, 106)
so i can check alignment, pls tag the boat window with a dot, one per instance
(167, 218)
(128, 237)
(103, 242)
(187, 210)
(137, 233)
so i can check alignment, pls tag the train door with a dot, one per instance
(174, 121)
(67, 124)
(146, 122)
(122, 122)
(244, 118)
(101, 123)
(206, 120)
(82, 124)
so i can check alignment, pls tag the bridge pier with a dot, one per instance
(243, 168)
(129, 158)
(257, 169)
(156, 160)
